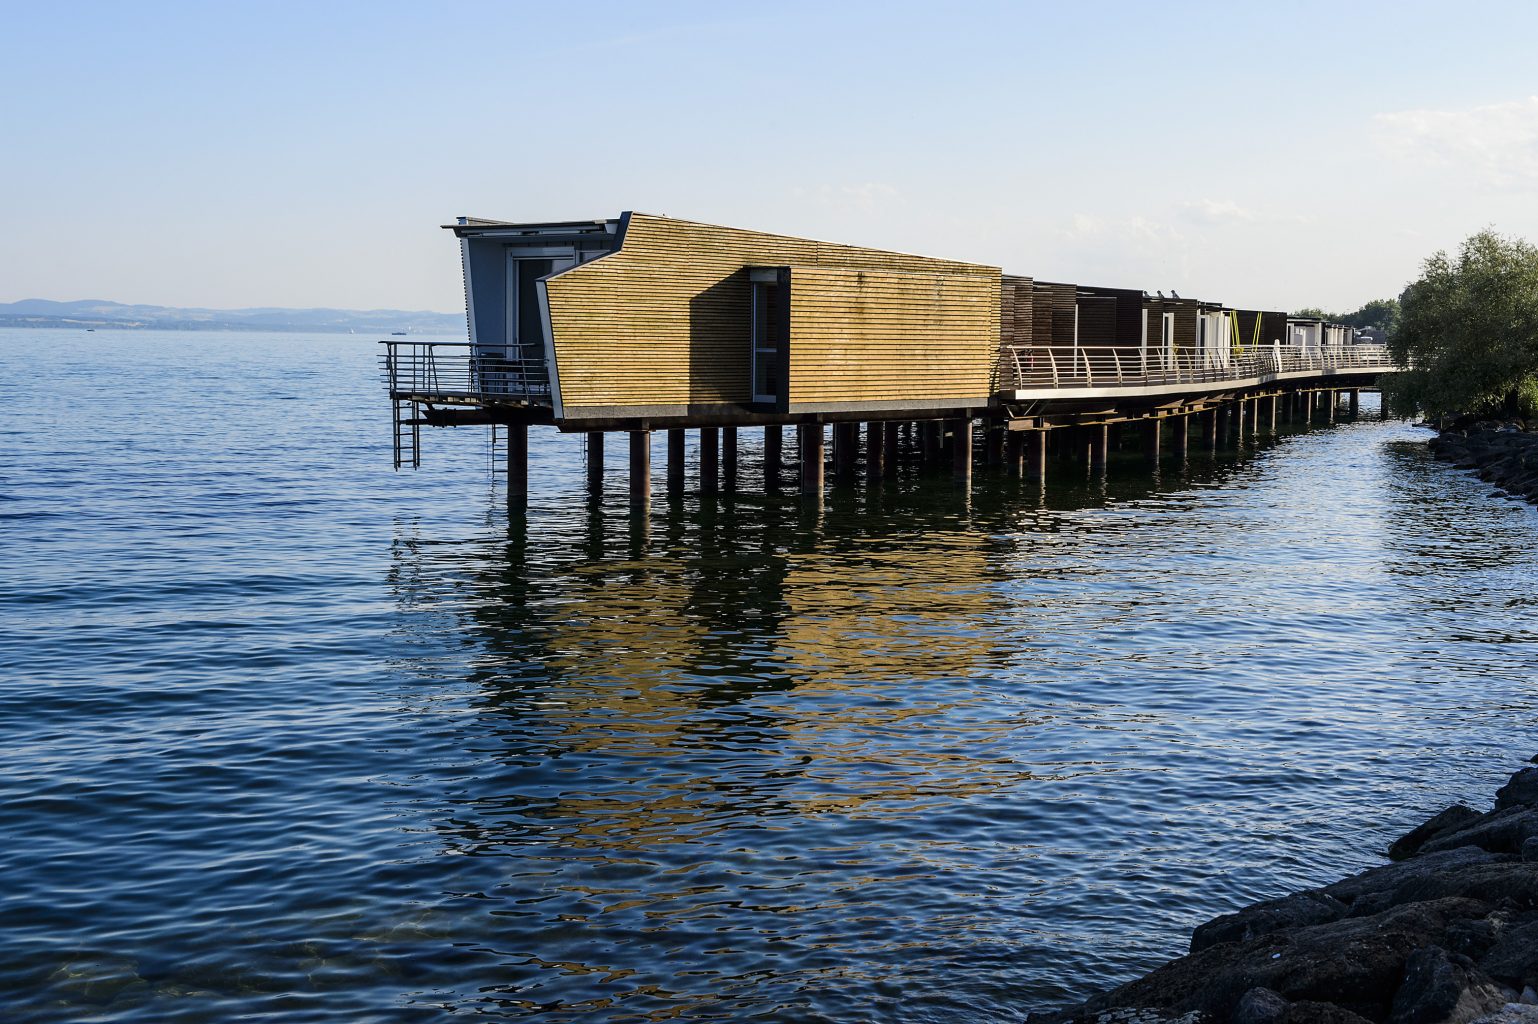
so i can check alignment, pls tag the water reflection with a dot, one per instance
(809, 760)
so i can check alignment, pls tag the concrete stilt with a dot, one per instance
(676, 442)
(1209, 419)
(1355, 398)
(595, 461)
(640, 471)
(1182, 429)
(1332, 399)
(1239, 411)
(517, 468)
(810, 437)
(710, 460)
(773, 442)
(1151, 440)
(729, 458)
(961, 450)
(1255, 417)
(1273, 415)
(846, 450)
(875, 451)
(1036, 457)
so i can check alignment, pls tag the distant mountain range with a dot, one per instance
(98, 313)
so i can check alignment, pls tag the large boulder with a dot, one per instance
(1452, 819)
(1443, 988)
(1301, 908)
(1513, 958)
(1520, 791)
(1500, 831)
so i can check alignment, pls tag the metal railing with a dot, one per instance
(456, 371)
(1030, 368)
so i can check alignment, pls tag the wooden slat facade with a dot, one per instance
(661, 326)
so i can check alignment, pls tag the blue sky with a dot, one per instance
(241, 154)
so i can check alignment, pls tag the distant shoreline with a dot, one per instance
(110, 325)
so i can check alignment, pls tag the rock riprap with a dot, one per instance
(1445, 933)
(1503, 453)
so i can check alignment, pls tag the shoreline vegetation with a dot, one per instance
(1446, 933)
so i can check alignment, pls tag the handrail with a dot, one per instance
(457, 371)
(1108, 365)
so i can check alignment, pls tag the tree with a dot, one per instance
(1468, 332)
(1380, 313)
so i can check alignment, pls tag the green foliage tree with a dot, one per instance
(1380, 313)
(1468, 332)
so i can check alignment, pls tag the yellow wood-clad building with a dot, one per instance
(647, 319)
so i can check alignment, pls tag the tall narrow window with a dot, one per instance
(770, 299)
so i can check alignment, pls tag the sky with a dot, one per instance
(304, 154)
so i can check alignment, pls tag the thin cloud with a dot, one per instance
(1496, 144)
(1214, 211)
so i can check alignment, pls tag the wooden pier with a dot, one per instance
(645, 324)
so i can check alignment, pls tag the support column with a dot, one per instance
(676, 461)
(961, 450)
(1014, 451)
(890, 429)
(875, 451)
(595, 462)
(1182, 427)
(846, 449)
(1333, 398)
(1099, 443)
(931, 430)
(640, 471)
(773, 442)
(1210, 428)
(810, 437)
(1273, 415)
(710, 460)
(1255, 417)
(729, 457)
(1308, 408)
(1151, 440)
(993, 444)
(1355, 398)
(1238, 411)
(1036, 457)
(517, 468)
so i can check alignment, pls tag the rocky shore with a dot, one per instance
(1447, 933)
(1503, 453)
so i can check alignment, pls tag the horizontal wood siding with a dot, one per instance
(880, 336)
(664, 320)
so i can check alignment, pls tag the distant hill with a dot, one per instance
(100, 313)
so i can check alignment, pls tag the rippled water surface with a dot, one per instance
(290, 736)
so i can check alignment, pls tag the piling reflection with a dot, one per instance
(783, 755)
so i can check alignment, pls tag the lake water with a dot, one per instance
(290, 736)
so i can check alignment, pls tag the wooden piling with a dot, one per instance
(595, 462)
(875, 451)
(729, 458)
(1014, 451)
(961, 450)
(517, 467)
(676, 456)
(710, 460)
(1151, 440)
(773, 442)
(809, 436)
(993, 444)
(846, 450)
(640, 471)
